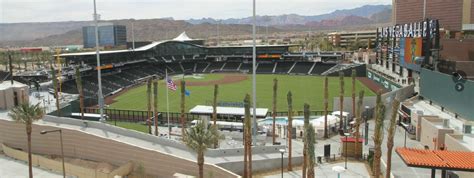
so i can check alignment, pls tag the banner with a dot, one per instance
(411, 53)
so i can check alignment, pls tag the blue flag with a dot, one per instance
(187, 92)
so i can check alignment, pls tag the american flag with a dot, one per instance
(171, 85)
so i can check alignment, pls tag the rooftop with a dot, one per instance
(7, 84)
(207, 110)
(438, 159)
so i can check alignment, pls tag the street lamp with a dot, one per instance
(62, 149)
(345, 149)
(282, 151)
(366, 136)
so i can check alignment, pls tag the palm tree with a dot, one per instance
(341, 98)
(391, 134)
(55, 85)
(148, 96)
(183, 91)
(353, 77)
(214, 108)
(199, 139)
(27, 114)
(311, 139)
(247, 139)
(326, 106)
(378, 133)
(275, 88)
(155, 104)
(358, 121)
(290, 127)
(80, 90)
(305, 138)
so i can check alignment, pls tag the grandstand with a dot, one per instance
(125, 68)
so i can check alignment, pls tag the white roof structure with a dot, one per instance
(7, 84)
(207, 110)
(183, 37)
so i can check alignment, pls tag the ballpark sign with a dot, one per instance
(424, 29)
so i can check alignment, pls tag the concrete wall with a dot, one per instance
(262, 165)
(432, 135)
(86, 146)
(7, 96)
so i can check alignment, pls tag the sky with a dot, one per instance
(14, 11)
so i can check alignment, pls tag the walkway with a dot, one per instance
(19, 169)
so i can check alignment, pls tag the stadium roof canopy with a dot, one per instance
(235, 111)
(183, 37)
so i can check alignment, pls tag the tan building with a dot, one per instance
(345, 39)
(12, 95)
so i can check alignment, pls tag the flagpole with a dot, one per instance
(167, 104)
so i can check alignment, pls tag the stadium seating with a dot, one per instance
(214, 66)
(231, 65)
(302, 67)
(200, 66)
(188, 66)
(283, 67)
(265, 68)
(319, 68)
(175, 67)
(246, 67)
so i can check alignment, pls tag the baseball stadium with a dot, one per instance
(125, 72)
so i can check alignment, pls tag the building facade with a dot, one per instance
(346, 39)
(109, 36)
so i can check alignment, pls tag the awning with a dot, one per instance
(235, 111)
(437, 159)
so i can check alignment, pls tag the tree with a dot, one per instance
(183, 91)
(80, 90)
(378, 133)
(311, 139)
(214, 108)
(358, 121)
(199, 139)
(155, 104)
(247, 139)
(290, 127)
(148, 96)
(56, 93)
(391, 134)
(326, 106)
(341, 98)
(305, 139)
(275, 88)
(27, 114)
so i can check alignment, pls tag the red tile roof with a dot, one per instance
(438, 159)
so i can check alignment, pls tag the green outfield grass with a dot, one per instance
(305, 89)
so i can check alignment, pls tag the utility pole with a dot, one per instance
(254, 79)
(99, 77)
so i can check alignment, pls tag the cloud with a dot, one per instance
(76, 10)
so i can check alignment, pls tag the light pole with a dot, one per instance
(366, 125)
(61, 141)
(282, 151)
(99, 77)
(254, 79)
(345, 149)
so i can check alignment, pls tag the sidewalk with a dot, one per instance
(19, 169)
(354, 169)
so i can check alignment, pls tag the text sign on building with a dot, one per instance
(424, 29)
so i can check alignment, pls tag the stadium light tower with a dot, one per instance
(254, 79)
(99, 77)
